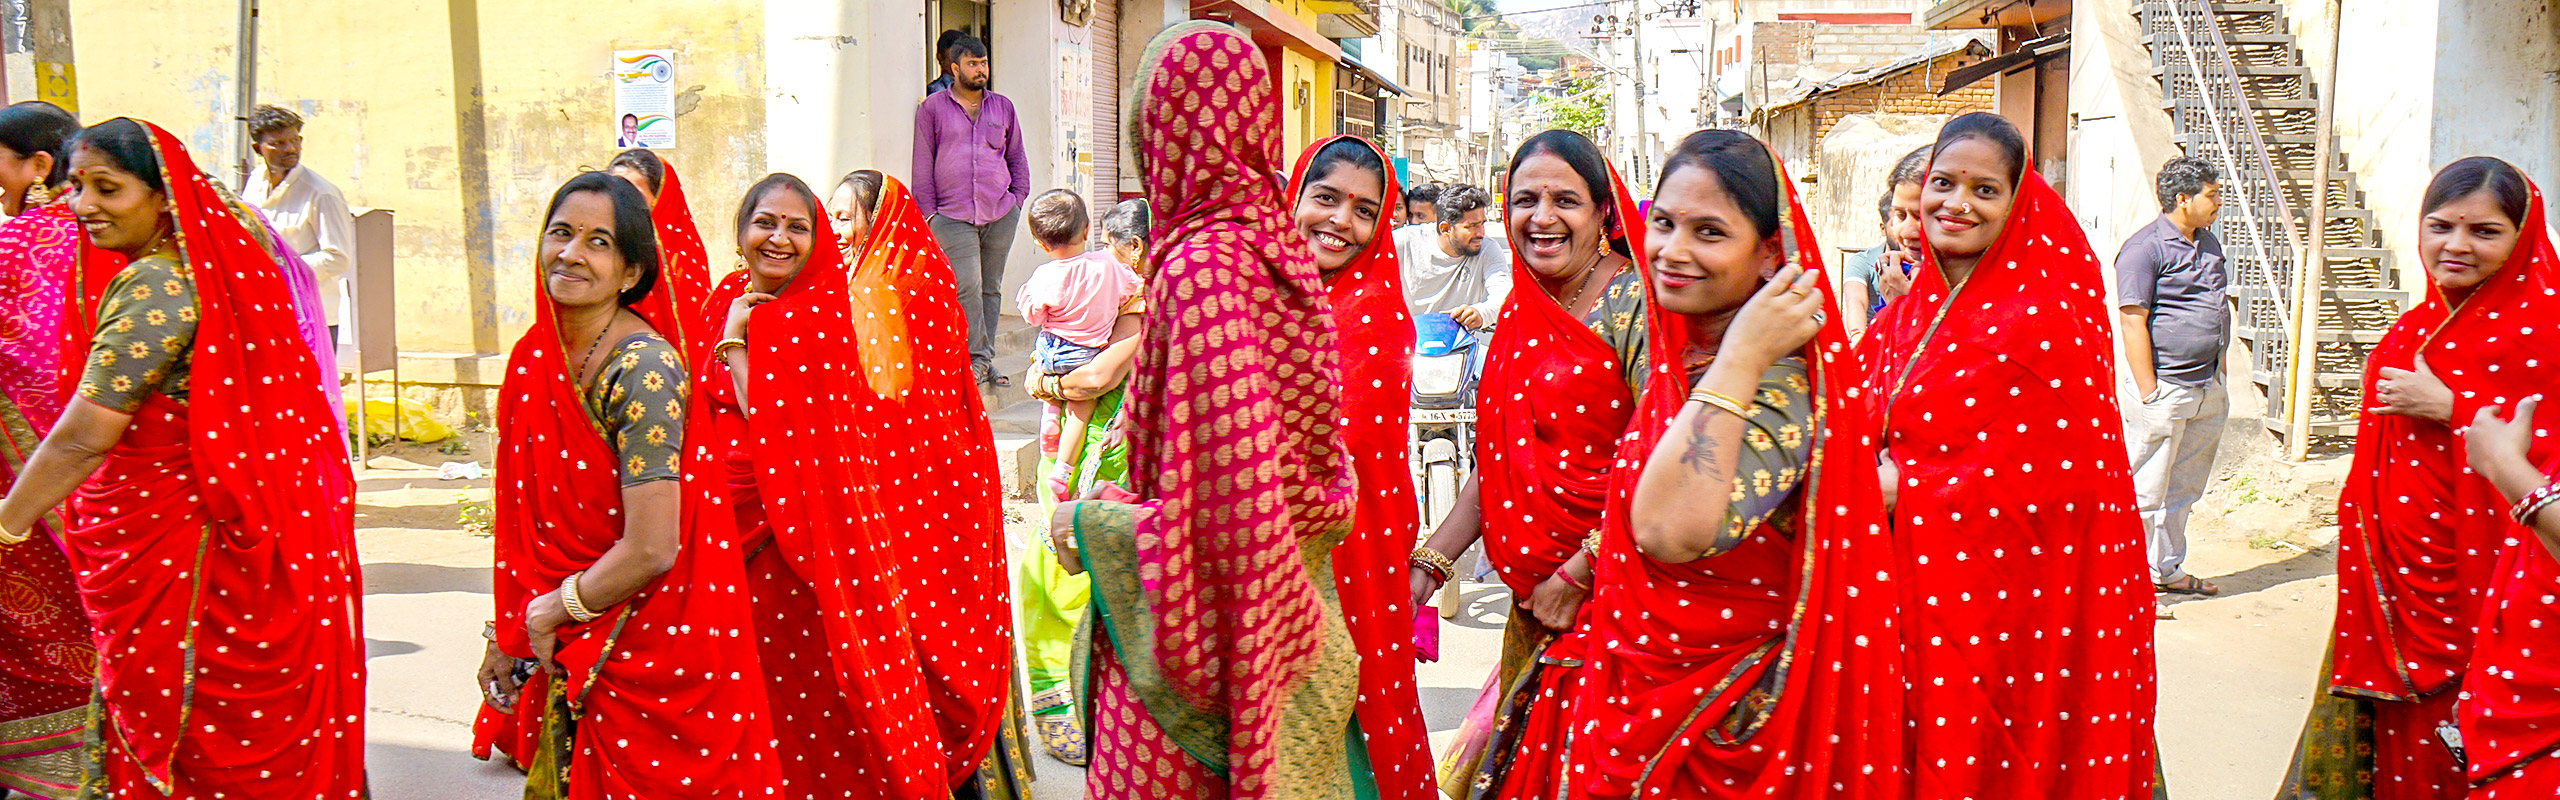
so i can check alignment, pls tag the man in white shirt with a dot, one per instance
(305, 208)
(1449, 267)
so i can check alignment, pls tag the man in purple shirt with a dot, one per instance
(971, 179)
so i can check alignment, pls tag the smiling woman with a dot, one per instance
(1343, 195)
(598, 582)
(2004, 472)
(1559, 386)
(211, 507)
(881, 628)
(1742, 642)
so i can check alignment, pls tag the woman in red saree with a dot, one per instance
(211, 502)
(46, 659)
(1341, 194)
(2510, 717)
(1744, 641)
(2030, 640)
(861, 493)
(684, 266)
(645, 691)
(1216, 660)
(2437, 588)
(929, 431)
(1557, 392)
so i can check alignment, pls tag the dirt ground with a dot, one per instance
(2236, 671)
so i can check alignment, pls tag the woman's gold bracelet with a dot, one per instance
(1434, 561)
(721, 350)
(569, 598)
(1710, 397)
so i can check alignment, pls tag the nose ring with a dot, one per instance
(1964, 208)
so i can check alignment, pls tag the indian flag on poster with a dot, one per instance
(644, 98)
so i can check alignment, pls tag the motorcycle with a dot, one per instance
(1447, 360)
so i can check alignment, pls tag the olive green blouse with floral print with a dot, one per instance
(638, 400)
(1777, 430)
(146, 335)
(1620, 320)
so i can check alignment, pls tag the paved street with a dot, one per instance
(2235, 670)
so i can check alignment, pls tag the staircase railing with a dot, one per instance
(2245, 169)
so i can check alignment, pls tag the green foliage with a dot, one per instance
(1482, 19)
(1582, 107)
(479, 517)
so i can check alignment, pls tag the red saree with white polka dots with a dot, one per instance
(1549, 410)
(1375, 330)
(2428, 554)
(1772, 669)
(2030, 639)
(861, 501)
(664, 684)
(683, 266)
(933, 458)
(215, 545)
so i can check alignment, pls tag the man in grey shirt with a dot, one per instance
(1449, 268)
(2171, 308)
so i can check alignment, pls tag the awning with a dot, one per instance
(1354, 65)
(2029, 54)
(1269, 27)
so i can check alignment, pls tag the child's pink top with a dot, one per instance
(1077, 299)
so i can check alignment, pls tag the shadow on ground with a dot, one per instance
(424, 579)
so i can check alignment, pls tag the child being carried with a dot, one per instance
(1074, 300)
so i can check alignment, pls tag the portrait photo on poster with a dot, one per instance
(644, 98)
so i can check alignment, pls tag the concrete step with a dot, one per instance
(1022, 417)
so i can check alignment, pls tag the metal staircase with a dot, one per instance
(2239, 94)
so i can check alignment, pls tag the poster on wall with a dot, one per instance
(1075, 112)
(644, 98)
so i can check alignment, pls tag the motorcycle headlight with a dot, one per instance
(1438, 376)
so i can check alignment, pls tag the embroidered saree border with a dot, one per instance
(1107, 534)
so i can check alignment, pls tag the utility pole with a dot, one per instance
(248, 88)
(1643, 149)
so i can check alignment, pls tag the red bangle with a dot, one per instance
(1567, 576)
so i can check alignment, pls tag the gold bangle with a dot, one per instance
(1710, 397)
(1592, 542)
(721, 350)
(569, 598)
(1448, 567)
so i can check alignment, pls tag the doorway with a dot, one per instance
(971, 17)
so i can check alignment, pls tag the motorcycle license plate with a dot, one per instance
(1433, 416)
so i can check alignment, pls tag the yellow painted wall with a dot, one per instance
(377, 80)
(1301, 126)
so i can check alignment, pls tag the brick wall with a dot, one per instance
(1911, 92)
(1783, 43)
(1842, 48)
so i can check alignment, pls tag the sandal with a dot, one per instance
(2189, 585)
(2160, 610)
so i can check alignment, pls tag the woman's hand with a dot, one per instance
(543, 618)
(2413, 394)
(1555, 602)
(498, 684)
(2497, 447)
(1062, 525)
(1423, 584)
(1889, 476)
(1779, 319)
(739, 310)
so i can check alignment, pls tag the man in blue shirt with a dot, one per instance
(2172, 308)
